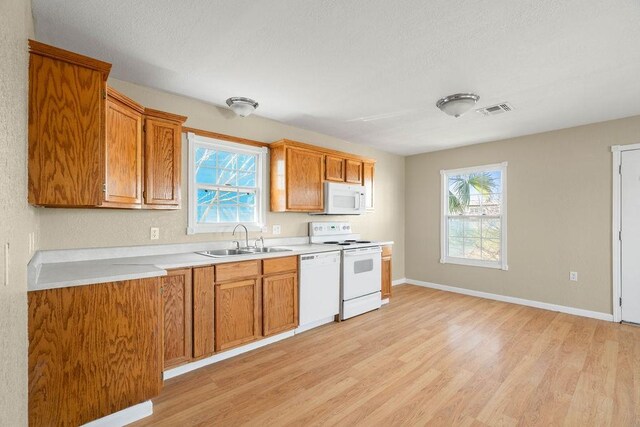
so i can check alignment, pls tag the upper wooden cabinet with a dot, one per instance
(86, 140)
(298, 172)
(162, 154)
(67, 95)
(353, 170)
(367, 180)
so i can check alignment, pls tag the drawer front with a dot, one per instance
(279, 265)
(237, 270)
(386, 250)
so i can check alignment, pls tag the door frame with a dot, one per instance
(616, 242)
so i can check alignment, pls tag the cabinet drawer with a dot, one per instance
(386, 250)
(279, 265)
(237, 270)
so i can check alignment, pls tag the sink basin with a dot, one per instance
(265, 250)
(218, 253)
(222, 252)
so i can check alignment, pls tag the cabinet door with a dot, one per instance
(93, 350)
(162, 162)
(353, 171)
(176, 298)
(305, 173)
(203, 311)
(334, 168)
(238, 313)
(280, 303)
(123, 158)
(66, 133)
(367, 181)
(386, 272)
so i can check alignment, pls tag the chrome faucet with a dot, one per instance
(246, 234)
(261, 240)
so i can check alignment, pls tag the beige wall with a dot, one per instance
(66, 228)
(559, 215)
(17, 219)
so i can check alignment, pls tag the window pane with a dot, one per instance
(469, 192)
(247, 162)
(228, 198)
(246, 213)
(491, 228)
(228, 213)
(205, 175)
(472, 249)
(247, 179)
(455, 247)
(206, 196)
(207, 213)
(471, 227)
(226, 177)
(491, 249)
(247, 198)
(205, 157)
(456, 227)
(227, 160)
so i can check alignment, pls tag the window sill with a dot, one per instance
(221, 228)
(474, 263)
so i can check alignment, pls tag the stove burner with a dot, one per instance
(363, 241)
(344, 243)
(351, 241)
(332, 242)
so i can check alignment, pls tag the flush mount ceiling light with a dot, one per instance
(458, 104)
(242, 106)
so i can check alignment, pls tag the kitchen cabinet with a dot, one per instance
(298, 173)
(237, 313)
(386, 271)
(368, 169)
(123, 148)
(280, 295)
(334, 168)
(177, 309)
(203, 312)
(353, 172)
(86, 143)
(162, 154)
(93, 350)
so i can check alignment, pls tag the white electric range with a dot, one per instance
(361, 276)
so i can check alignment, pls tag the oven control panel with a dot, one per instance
(329, 228)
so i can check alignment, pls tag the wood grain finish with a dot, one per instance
(280, 303)
(224, 137)
(237, 270)
(203, 312)
(368, 171)
(123, 166)
(387, 274)
(279, 265)
(238, 313)
(41, 49)
(93, 350)
(66, 132)
(353, 171)
(430, 358)
(178, 310)
(334, 168)
(318, 149)
(278, 168)
(304, 180)
(162, 157)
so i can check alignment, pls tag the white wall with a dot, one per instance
(17, 219)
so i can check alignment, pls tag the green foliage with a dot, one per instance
(460, 189)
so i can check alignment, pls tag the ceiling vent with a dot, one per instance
(503, 107)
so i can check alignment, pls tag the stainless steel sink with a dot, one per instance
(265, 250)
(219, 253)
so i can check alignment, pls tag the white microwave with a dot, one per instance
(343, 199)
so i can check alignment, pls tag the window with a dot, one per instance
(474, 217)
(226, 182)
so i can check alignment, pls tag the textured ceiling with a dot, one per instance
(370, 71)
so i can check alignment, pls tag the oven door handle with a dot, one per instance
(362, 251)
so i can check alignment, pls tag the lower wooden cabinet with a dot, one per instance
(238, 316)
(177, 309)
(203, 312)
(93, 350)
(280, 303)
(386, 272)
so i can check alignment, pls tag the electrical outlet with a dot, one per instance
(573, 276)
(155, 233)
(276, 229)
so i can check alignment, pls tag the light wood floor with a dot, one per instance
(430, 357)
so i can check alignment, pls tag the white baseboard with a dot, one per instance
(399, 282)
(124, 417)
(514, 300)
(315, 324)
(384, 301)
(225, 355)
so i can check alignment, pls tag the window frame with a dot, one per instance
(195, 141)
(444, 223)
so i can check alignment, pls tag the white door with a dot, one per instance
(630, 247)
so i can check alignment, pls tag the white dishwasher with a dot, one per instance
(319, 289)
